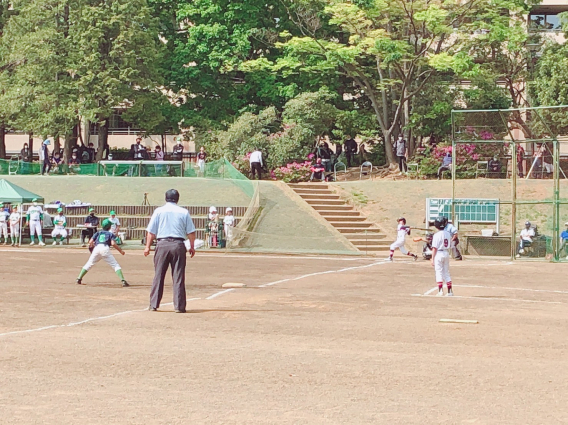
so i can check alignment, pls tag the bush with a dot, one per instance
(294, 172)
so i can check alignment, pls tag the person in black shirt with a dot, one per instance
(137, 151)
(350, 149)
(178, 150)
(26, 154)
(91, 224)
(324, 153)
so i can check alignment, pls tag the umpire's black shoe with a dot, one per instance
(125, 283)
(150, 308)
(180, 311)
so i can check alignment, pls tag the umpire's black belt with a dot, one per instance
(171, 239)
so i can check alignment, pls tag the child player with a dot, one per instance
(401, 231)
(441, 243)
(100, 244)
(4, 216)
(15, 226)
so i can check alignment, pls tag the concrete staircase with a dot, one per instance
(363, 234)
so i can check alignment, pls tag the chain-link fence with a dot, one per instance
(520, 160)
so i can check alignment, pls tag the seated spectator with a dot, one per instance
(74, 163)
(56, 161)
(564, 237)
(158, 153)
(525, 238)
(137, 151)
(446, 165)
(318, 171)
(323, 152)
(494, 168)
(26, 154)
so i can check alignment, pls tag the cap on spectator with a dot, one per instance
(112, 212)
(46, 142)
(91, 209)
(59, 209)
(229, 209)
(212, 209)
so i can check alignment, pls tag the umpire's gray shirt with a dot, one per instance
(171, 221)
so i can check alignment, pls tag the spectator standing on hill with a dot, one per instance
(401, 151)
(26, 154)
(446, 164)
(44, 157)
(201, 158)
(350, 149)
(91, 224)
(520, 159)
(256, 163)
(494, 167)
(170, 225)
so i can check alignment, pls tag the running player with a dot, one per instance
(4, 215)
(60, 223)
(401, 231)
(15, 226)
(100, 244)
(441, 243)
(35, 217)
(453, 231)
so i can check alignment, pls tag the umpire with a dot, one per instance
(170, 225)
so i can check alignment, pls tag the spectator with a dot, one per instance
(494, 167)
(323, 152)
(564, 237)
(401, 151)
(446, 165)
(228, 224)
(26, 154)
(74, 160)
(56, 161)
(318, 171)
(137, 151)
(525, 238)
(520, 159)
(213, 227)
(44, 157)
(178, 150)
(201, 158)
(158, 153)
(92, 153)
(256, 163)
(91, 224)
(350, 149)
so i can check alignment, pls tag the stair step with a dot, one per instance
(352, 224)
(317, 196)
(342, 213)
(357, 230)
(369, 236)
(308, 185)
(335, 207)
(325, 202)
(346, 218)
(313, 191)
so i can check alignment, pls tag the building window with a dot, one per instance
(544, 22)
(117, 125)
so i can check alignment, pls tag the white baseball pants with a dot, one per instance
(442, 266)
(15, 230)
(35, 227)
(102, 252)
(4, 230)
(59, 232)
(400, 245)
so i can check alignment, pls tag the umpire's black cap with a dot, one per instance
(172, 195)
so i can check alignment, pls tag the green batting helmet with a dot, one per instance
(106, 224)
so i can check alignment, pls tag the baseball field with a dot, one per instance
(310, 340)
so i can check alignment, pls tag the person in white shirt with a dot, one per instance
(15, 226)
(60, 223)
(256, 163)
(35, 217)
(115, 228)
(453, 231)
(401, 231)
(4, 215)
(526, 238)
(228, 224)
(441, 243)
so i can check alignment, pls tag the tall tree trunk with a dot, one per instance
(56, 143)
(70, 142)
(31, 145)
(2, 141)
(103, 138)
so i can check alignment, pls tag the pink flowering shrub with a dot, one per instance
(293, 172)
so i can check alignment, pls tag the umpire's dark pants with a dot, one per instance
(172, 253)
(255, 167)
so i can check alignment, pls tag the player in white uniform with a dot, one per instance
(453, 231)
(228, 224)
(441, 243)
(401, 231)
(526, 238)
(4, 215)
(115, 226)
(60, 223)
(35, 217)
(15, 226)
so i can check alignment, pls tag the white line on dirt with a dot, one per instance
(210, 297)
(429, 291)
(489, 298)
(512, 289)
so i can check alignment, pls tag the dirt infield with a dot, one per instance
(316, 340)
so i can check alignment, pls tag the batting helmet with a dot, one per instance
(439, 223)
(444, 220)
(528, 224)
(107, 224)
(172, 195)
(401, 219)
